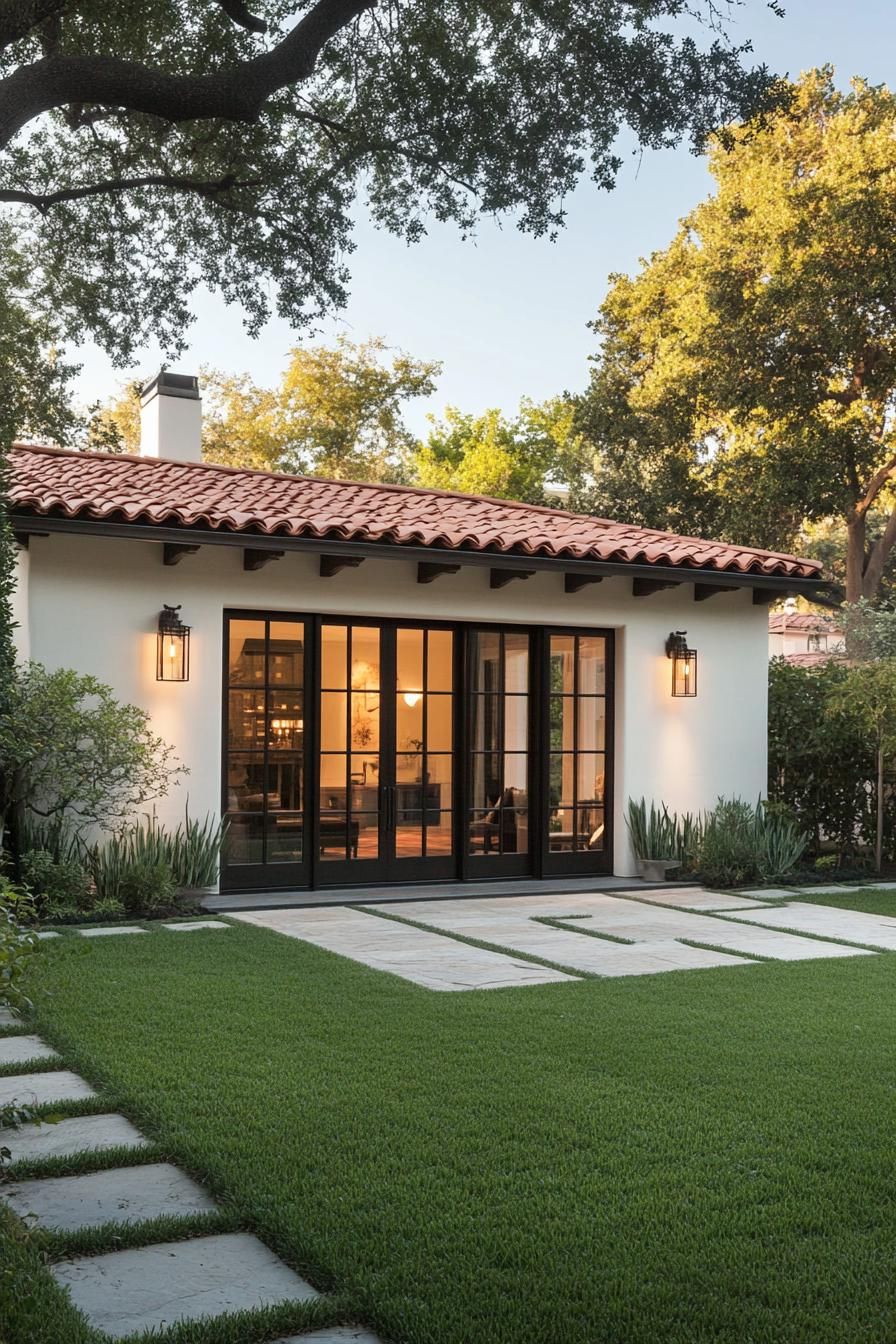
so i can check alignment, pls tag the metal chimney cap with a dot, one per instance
(167, 384)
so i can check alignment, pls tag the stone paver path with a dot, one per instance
(691, 898)
(121, 1195)
(190, 926)
(21, 1049)
(109, 932)
(332, 1334)
(419, 956)
(33, 1089)
(9, 1018)
(829, 921)
(155, 1286)
(83, 1133)
(634, 937)
(653, 933)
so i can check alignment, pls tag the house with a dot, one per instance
(383, 684)
(804, 638)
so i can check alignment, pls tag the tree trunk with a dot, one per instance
(855, 557)
(879, 837)
(880, 554)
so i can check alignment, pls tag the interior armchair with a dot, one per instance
(498, 832)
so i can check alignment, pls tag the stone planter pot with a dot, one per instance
(657, 870)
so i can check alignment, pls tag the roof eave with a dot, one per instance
(26, 522)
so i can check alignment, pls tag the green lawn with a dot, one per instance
(871, 900)
(698, 1156)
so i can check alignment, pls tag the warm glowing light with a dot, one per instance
(173, 647)
(411, 698)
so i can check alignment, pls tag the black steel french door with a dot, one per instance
(343, 740)
(386, 754)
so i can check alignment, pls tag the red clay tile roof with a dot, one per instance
(118, 488)
(801, 622)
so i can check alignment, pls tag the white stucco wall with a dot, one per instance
(20, 604)
(93, 605)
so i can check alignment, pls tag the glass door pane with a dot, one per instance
(264, 767)
(497, 813)
(424, 751)
(350, 721)
(576, 741)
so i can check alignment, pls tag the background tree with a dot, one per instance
(509, 458)
(114, 426)
(751, 367)
(337, 412)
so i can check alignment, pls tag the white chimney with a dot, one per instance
(171, 417)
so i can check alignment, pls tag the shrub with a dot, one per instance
(146, 888)
(741, 843)
(18, 944)
(69, 751)
(60, 884)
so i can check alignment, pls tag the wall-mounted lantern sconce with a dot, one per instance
(684, 663)
(173, 647)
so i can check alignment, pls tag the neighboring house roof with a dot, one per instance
(116, 488)
(801, 622)
(813, 659)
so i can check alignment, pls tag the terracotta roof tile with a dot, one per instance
(120, 488)
(801, 622)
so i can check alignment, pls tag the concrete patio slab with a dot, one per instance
(121, 1195)
(831, 889)
(417, 955)
(828, 921)
(34, 1089)
(83, 1133)
(154, 1287)
(110, 931)
(21, 1049)
(189, 926)
(333, 1334)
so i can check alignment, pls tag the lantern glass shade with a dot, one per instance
(173, 647)
(684, 672)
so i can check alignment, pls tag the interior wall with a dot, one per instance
(94, 602)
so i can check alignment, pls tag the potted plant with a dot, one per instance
(656, 839)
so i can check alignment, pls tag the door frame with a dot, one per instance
(314, 874)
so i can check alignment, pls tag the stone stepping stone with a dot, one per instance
(9, 1018)
(109, 932)
(122, 1195)
(770, 893)
(690, 899)
(51, 933)
(828, 921)
(83, 1133)
(33, 1089)
(191, 925)
(877, 886)
(154, 1287)
(20, 1049)
(333, 1334)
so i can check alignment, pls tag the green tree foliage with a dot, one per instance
(69, 750)
(747, 376)
(819, 764)
(146, 149)
(509, 458)
(337, 412)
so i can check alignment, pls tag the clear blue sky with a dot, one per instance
(507, 315)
